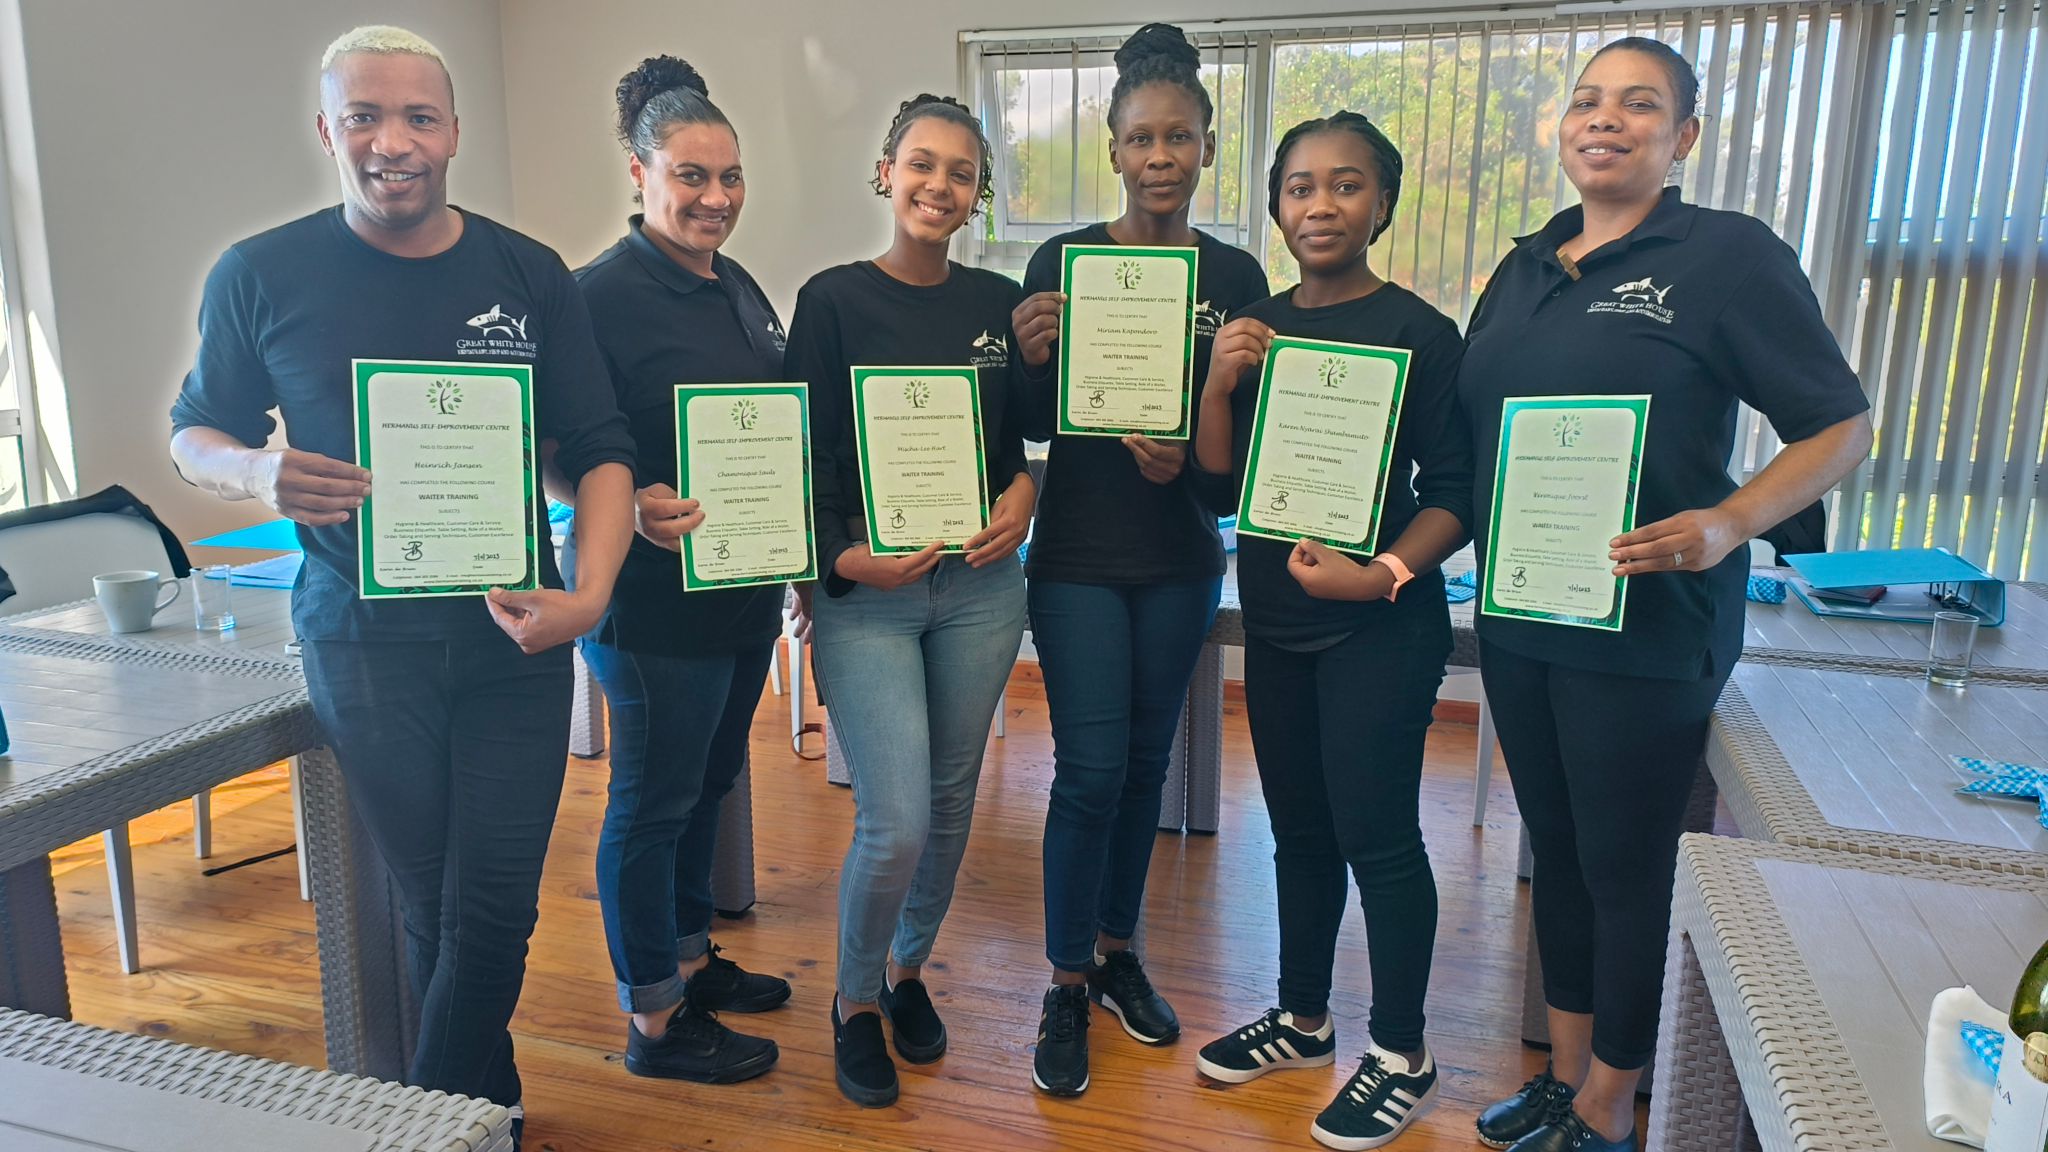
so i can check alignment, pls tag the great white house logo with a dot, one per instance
(1208, 319)
(990, 351)
(1637, 297)
(497, 333)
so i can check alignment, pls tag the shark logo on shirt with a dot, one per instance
(990, 351)
(497, 320)
(1642, 290)
(1208, 319)
(1637, 298)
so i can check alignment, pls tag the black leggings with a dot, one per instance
(1602, 766)
(1339, 736)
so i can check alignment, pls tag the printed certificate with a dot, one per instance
(1322, 442)
(743, 452)
(921, 473)
(1127, 340)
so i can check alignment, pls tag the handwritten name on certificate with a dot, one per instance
(1127, 340)
(454, 493)
(921, 474)
(1564, 486)
(743, 452)
(1322, 442)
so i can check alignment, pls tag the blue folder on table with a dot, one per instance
(270, 536)
(1918, 583)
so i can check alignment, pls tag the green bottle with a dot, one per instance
(2030, 1014)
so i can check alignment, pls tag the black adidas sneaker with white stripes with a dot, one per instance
(1268, 1044)
(1377, 1103)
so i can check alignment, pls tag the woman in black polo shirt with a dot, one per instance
(1637, 292)
(1343, 657)
(1126, 566)
(912, 650)
(681, 673)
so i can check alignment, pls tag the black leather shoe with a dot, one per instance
(860, 1059)
(723, 986)
(697, 1047)
(1060, 1066)
(1119, 984)
(1570, 1134)
(1541, 1100)
(920, 1034)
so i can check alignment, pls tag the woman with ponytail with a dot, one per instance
(682, 673)
(912, 650)
(1126, 566)
(1342, 657)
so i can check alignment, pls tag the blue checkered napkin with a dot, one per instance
(2003, 779)
(1462, 587)
(1766, 590)
(1987, 1043)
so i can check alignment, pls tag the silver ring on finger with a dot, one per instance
(1677, 559)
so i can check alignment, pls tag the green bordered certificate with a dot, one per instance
(1564, 487)
(454, 494)
(1127, 340)
(1322, 442)
(743, 452)
(921, 473)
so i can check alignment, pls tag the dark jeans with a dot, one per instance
(1116, 660)
(1339, 737)
(453, 753)
(1603, 766)
(679, 740)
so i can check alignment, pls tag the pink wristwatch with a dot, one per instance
(1400, 570)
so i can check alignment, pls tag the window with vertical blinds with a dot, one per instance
(1901, 151)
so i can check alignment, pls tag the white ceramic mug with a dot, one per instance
(130, 599)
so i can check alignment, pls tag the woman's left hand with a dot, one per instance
(1328, 574)
(1691, 541)
(1008, 523)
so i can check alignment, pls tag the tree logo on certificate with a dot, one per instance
(745, 414)
(1279, 501)
(918, 393)
(1332, 372)
(1128, 274)
(1568, 429)
(1095, 399)
(445, 396)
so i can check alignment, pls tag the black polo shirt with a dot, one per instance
(1697, 309)
(857, 314)
(1099, 520)
(285, 311)
(659, 325)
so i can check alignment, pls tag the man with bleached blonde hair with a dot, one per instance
(449, 715)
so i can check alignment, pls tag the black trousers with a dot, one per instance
(1339, 737)
(1602, 766)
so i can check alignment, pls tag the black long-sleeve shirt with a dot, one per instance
(1099, 520)
(858, 315)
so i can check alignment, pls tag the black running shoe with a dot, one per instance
(920, 1034)
(1120, 985)
(697, 1047)
(1060, 1065)
(1542, 1100)
(1377, 1103)
(860, 1059)
(1569, 1133)
(1268, 1044)
(723, 986)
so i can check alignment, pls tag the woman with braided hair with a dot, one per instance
(912, 650)
(1342, 658)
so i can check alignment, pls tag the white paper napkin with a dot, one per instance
(1955, 1082)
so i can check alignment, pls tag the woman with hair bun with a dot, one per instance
(682, 673)
(912, 650)
(1343, 657)
(1126, 566)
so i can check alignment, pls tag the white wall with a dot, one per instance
(163, 132)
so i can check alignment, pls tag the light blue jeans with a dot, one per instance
(912, 677)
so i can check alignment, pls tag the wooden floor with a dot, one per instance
(230, 963)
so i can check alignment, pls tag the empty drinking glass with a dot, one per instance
(212, 600)
(1951, 643)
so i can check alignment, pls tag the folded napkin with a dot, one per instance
(1462, 587)
(2002, 779)
(1955, 1082)
(1766, 590)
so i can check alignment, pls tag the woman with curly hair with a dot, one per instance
(912, 650)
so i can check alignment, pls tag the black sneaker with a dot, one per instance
(1270, 1043)
(1569, 1133)
(723, 986)
(1377, 1103)
(920, 1034)
(697, 1047)
(1061, 1063)
(860, 1059)
(1542, 1100)
(1118, 983)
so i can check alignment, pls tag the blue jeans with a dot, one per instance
(453, 753)
(1116, 659)
(912, 677)
(679, 740)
